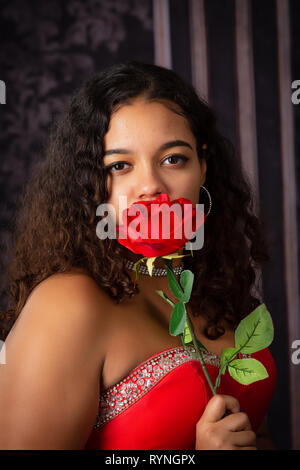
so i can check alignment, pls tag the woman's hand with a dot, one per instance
(213, 432)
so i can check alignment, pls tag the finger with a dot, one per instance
(237, 422)
(217, 405)
(244, 438)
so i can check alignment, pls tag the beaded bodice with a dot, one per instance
(119, 397)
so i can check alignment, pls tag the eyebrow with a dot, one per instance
(165, 146)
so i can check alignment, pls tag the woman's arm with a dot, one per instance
(49, 386)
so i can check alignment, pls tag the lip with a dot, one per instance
(163, 197)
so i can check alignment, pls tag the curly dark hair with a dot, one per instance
(54, 229)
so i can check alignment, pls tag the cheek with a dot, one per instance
(116, 198)
(109, 186)
(192, 188)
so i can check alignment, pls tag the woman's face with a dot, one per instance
(140, 168)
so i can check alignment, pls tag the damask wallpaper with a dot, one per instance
(47, 50)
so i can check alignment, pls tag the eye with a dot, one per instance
(119, 166)
(114, 165)
(176, 157)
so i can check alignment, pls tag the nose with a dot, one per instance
(148, 185)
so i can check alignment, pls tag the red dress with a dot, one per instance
(158, 405)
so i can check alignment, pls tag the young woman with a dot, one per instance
(90, 362)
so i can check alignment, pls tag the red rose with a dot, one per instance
(150, 218)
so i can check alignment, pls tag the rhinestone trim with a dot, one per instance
(142, 269)
(117, 398)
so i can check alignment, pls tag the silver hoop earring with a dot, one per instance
(210, 202)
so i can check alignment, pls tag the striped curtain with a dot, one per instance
(240, 55)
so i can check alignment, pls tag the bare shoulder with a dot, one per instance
(50, 384)
(72, 298)
(74, 286)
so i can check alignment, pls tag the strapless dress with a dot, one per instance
(158, 405)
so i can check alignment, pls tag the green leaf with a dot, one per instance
(136, 267)
(173, 255)
(175, 288)
(187, 337)
(178, 319)
(149, 263)
(190, 248)
(226, 354)
(186, 281)
(182, 340)
(136, 271)
(255, 332)
(165, 297)
(247, 371)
